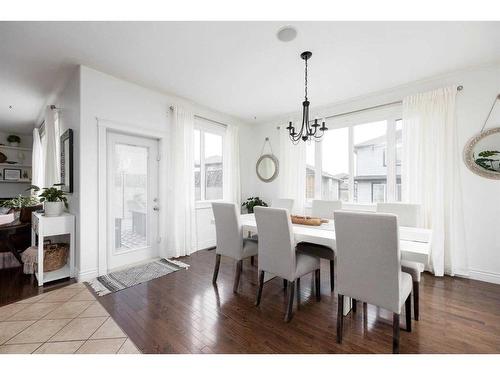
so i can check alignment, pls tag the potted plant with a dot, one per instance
(53, 198)
(251, 202)
(13, 140)
(24, 205)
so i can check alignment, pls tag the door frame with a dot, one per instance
(104, 127)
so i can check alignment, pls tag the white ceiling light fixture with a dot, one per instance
(287, 34)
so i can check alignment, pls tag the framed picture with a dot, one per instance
(67, 161)
(11, 174)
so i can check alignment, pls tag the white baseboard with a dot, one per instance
(489, 277)
(86, 275)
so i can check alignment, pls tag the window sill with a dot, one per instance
(200, 205)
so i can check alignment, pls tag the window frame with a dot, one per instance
(390, 114)
(208, 126)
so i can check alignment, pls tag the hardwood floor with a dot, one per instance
(184, 313)
(15, 285)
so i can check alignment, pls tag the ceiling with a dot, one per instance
(239, 68)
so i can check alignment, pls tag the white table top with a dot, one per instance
(414, 242)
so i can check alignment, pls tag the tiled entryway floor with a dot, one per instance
(66, 320)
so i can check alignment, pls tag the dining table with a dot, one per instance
(414, 243)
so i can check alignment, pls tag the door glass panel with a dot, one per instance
(197, 165)
(130, 196)
(310, 169)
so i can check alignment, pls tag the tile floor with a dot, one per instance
(66, 320)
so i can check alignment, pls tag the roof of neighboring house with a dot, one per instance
(381, 140)
(324, 174)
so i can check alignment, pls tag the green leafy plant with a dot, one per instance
(485, 161)
(21, 202)
(251, 202)
(51, 194)
(13, 139)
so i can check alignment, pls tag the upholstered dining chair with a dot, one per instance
(283, 203)
(324, 209)
(230, 241)
(408, 216)
(277, 254)
(369, 266)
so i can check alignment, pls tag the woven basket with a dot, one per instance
(55, 256)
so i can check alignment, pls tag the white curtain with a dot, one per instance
(37, 163)
(181, 221)
(50, 149)
(231, 166)
(292, 175)
(430, 174)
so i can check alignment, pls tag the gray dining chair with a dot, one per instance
(277, 254)
(369, 266)
(283, 203)
(408, 216)
(230, 240)
(323, 209)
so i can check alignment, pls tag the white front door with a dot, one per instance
(132, 199)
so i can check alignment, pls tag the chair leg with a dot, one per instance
(261, 285)
(252, 260)
(297, 287)
(289, 308)
(317, 277)
(354, 305)
(332, 276)
(395, 333)
(408, 313)
(285, 284)
(416, 286)
(340, 317)
(239, 268)
(216, 269)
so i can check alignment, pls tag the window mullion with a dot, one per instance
(318, 171)
(351, 164)
(202, 165)
(390, 153)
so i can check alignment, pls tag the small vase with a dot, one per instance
(53, 208)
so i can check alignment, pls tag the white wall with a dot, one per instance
(481, 197)
(68, 102)
(122, 102)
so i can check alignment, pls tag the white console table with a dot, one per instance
(45, 226)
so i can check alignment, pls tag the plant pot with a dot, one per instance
(14, 144)
(53, 208)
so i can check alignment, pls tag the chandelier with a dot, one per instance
(308, 130)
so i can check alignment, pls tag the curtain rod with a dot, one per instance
(459, 88)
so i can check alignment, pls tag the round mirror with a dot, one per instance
(482, 154)
(267, 167)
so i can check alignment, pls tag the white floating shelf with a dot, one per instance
(15, 165)
(16, 181)
(15, 148)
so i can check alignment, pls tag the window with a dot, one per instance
(208, 170)
(335, 165)
(359, 158)
(310, 169)
(370, 171)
